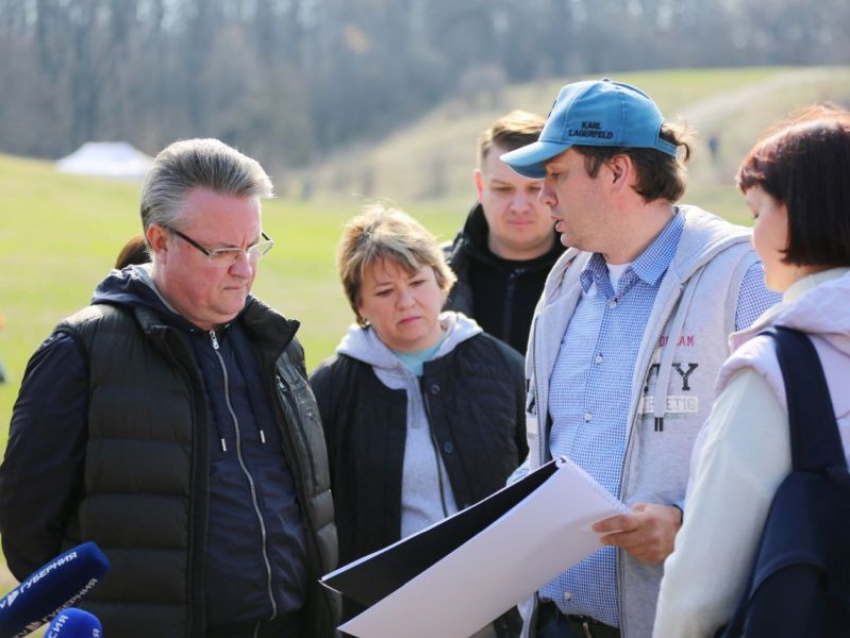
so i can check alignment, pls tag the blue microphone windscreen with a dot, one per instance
(74, 623)
(56, 585)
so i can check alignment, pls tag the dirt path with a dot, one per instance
(722, 104)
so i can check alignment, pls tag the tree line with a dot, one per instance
(290, 80)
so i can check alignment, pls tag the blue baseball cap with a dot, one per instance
(593, 113)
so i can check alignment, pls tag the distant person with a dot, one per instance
(171, 422)
(714, 146)
(628, 338)
(795, 182)
(422, 411)
(508, 244)
(135, 252)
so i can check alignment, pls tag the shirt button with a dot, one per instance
(568, 596)
(598, 358)
(448, 447)
(435, 389)
(588, 416)
(612, 303)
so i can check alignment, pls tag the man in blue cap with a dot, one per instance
(627, 339)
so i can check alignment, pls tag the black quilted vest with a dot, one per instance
(145, 492)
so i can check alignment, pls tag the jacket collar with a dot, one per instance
(364, 345)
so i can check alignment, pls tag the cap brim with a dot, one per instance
(528, 161)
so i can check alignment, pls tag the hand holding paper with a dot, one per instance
(647, 533)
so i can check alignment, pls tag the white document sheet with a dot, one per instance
(546, 533)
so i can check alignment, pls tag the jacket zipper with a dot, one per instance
(625, 475)
(434, 444)
(542, 434)
(248, 476)
(508, 311)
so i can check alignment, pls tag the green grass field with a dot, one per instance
(60, 234)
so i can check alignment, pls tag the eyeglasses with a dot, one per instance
(226, 257)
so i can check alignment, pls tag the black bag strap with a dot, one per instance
(815, 441)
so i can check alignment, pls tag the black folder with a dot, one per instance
(372, 578)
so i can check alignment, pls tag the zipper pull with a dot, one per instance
(280, 383)
(214, 340)
(262, 437)
(223, 445)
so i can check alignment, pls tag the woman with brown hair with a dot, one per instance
(423, 412)
(796, 183)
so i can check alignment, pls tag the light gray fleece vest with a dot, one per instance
(684, 345)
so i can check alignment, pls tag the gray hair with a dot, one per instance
(189, 164)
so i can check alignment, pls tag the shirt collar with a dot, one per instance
(650, 265)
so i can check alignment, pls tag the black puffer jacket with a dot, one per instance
(141, 471)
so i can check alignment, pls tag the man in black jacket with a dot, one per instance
(508, 244)
(171, 422)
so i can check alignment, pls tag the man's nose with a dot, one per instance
(547, 195)
(521, 202)
(243, 266)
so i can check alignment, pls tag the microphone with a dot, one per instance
(48, 590)
(74, 623)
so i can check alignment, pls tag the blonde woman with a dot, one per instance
(422, 411)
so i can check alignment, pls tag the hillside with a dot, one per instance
(433, 158)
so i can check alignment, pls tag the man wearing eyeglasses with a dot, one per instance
(171, 423)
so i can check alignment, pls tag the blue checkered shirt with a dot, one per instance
(590, 388)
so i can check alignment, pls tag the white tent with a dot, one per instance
(107, 159)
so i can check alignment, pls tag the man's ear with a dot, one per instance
(157, 237)
(622, 171)
(479, 182)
